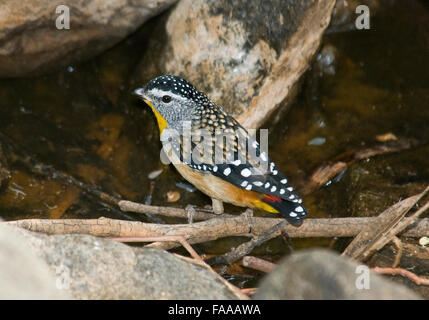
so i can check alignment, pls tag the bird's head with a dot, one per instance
(172, 99)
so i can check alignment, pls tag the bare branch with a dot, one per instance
(258, 264)
(329, 170)
(402, 272)
(237, 253)
(208, 230)
(386, 226)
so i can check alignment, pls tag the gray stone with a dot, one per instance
(246, 55)
(22, 274)
(31, 43)
(96, 268)
(322, 274)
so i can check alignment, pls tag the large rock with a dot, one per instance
(30, 41)
(246, 55)
(22, 274)
(94, 268)
(321, 274)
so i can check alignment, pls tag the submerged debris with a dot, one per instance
(154, 174)
(318, 141)
(386, 137)
(173, 196)
(186, 186)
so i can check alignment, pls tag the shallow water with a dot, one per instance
(84, 120)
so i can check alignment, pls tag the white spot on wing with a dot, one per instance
(246, 172)
(299, 209)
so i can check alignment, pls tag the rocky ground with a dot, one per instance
(38, 266)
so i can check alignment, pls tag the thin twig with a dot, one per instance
(329, 170)
(399, 246)
(386, 225)
(177, 238)
(130, 206)
(234, 289)
(402, 272)
(247, 247)
(208, 230)
(249, 291)
(258, 264)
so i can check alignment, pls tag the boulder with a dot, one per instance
(323, 274)
(31, 43)
(94, 268)
(245, 55)
(22, 274)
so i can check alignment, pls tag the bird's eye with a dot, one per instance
(166, 99)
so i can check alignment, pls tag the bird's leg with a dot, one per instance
(190, 210)
(217, 206)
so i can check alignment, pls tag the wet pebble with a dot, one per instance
(154, 174)
(326, 60)
(318, 141)
(173, 196)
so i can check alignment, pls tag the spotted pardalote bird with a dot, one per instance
(239, 178)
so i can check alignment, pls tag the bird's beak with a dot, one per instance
(139, 92)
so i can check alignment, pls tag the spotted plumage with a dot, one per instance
(221, 154)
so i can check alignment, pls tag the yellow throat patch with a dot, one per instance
(162, 123)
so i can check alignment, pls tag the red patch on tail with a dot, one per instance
(271, 199)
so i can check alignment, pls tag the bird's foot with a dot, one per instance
(249, 215)
(190, 210)
(217, 206)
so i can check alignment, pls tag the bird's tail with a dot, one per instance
(293, 212)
